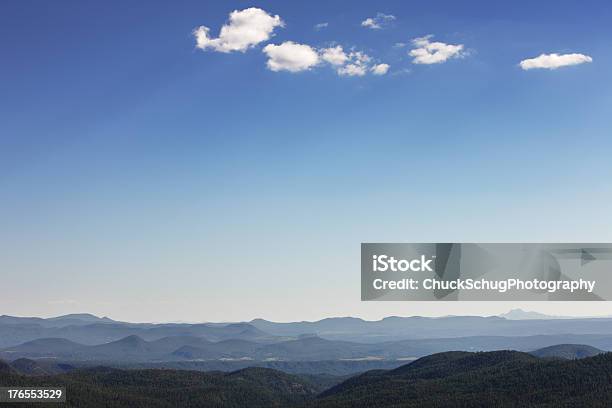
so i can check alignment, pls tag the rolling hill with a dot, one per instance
(29, 367)
(15, 331)
(568, 351)
(500, 379)
(112, 388)
(306, 348)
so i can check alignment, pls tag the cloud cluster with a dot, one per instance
(249, 27)
(380, 69)
(245, 29)
(379, 22)
(334, 55)
(554, 61)
(354, 63)
(357, 64)
(293, 57)
(427, 52)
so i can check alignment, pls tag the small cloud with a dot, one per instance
(245, 29)
(293, 57)
(554, 61)
(399, 45)
(352, 70)
(370, 23)
(290, 56)
(379, 22)
(320, 26)
(358, 64)
(427, 52)
(334, 55)
(355, 63)
(380, 69)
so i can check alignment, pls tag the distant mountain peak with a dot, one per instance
(520, 314)
(88, 317)
(79, 315)
(51, 341)
(131, 339)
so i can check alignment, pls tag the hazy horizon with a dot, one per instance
(549, 311)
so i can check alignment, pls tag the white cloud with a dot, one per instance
(357, 64)
(554, 61)
(380, 69)
(360, 57)
(370, 23)
(427, 52)
(380, 21)
(245, 29)
(352, 70)
(290, 56)
(399, 45)
(249, 27)
(334, 55)
(293, 57)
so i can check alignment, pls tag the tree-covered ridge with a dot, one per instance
(451, 379)
(504, 378)
(569, 351)
(106, 387)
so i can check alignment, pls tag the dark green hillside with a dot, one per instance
(5, 369)
(504, 379)
(568, 351)
(436, 366)
(453, 379)
(26, 366)
(105, 387)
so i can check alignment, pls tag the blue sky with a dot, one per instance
(148, 179)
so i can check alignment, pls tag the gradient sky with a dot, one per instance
(149, 180)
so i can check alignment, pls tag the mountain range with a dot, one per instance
(91, 330)
(311, 348)
(330, 345)
(88, 329)
(518, 360)
(404, 328)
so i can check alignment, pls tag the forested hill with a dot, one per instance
(113, 388)
(568, 351)
(500, 379)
